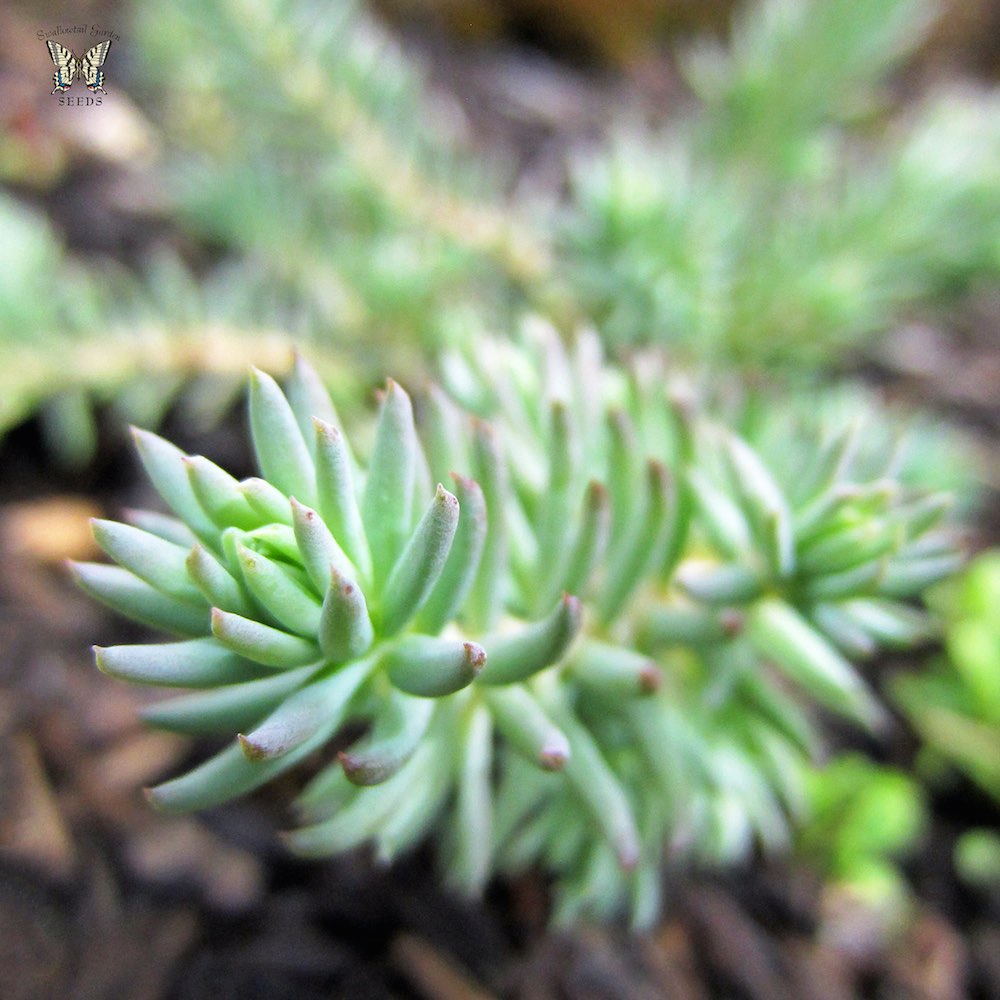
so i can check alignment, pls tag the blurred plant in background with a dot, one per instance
(783, 220)
(80, 334)
(786, 217)
(864, 820)
(955, 706)
(301, 139)
(786, 220)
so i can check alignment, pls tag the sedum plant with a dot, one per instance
(139, 344)
(777, 225)
(865, 820)
(787, 216)
(593, 649)
(956, 706)
(786, 220)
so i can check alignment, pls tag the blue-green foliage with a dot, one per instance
(784, 221)
(594, 649)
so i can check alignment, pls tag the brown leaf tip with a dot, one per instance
(251, 751)
(627, 855)
(572, 605)
(553, 756)
(733, 621)
(650, 678)
(475, 656)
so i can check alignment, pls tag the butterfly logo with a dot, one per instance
(67, 66)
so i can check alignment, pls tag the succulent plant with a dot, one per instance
(955, 705)
(865, 820)
(590, 649)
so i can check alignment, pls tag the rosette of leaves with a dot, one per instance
(591, 649)
(749, 576)
(322, 593)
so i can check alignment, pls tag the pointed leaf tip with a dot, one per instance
(392, 741)
(517, 656)
(733, 621)
(353, 765)
(421, 562)
(554, 755)
(307, 716)
(345, 628)
(430, 667)
(526, 725)
(650, 678)
(612, 671)
(476, 657)
(327, 429)
(627, 854)
(250, 750)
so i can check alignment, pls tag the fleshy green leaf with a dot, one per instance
(432, 667)
(281, 450)
(315, 711)
(225, 776)
(337, 499)
(783, 636)
(388, 497)
(196, 663)
(226, 709)
(517, 656)
(220, 494)
(614, 670)
(523, 722)
(397, 733)
(420, 564)
(164, 464)
(345, 630)
(286, 599)
(218, 586)
(486, 599)
(135, 599)
(261, 643)
(160, 563)
(600, 791)
(320, 551)
(270, 504)
(309, 400)
(459, 573)
(469, 865)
